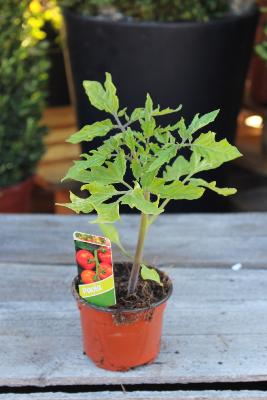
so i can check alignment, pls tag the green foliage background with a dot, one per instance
(23, 77)
(261, 48)
(153, 10)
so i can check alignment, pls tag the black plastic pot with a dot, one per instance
(200, 65)
(58, 93)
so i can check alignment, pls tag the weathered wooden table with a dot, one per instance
(214, 343)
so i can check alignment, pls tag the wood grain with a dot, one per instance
(215, 240)
(164, 395)
(215, 329)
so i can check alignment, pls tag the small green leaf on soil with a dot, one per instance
(150, 273)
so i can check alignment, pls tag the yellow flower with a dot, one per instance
(35, 22)
(35, 7)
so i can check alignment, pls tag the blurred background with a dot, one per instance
(202, 54)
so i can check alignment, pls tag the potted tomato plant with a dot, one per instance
(165, 162)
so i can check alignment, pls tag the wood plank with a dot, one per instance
(185, 239)
(215, 330)
(164, 395)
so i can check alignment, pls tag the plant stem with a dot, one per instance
(138, 254)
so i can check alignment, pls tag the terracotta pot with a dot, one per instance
(120, 341)
(16, 198)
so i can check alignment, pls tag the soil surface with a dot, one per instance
(147, 292)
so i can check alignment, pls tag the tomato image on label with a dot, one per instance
(104, 255)
(88, 276)
(85, 259)
(104, 270)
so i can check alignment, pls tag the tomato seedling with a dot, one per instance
(156, 158)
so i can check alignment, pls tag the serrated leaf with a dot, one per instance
(164, 155)
(199, 122)
(179, 168)
(137, 114)
(150, 274)
(78, 172)
(96, 95)
(110, 231)
(104, 100)
(216, 153)
(107, 213)
(212, 186)
(147, 178)
(175, 190)
(78, 204)
(112, 173)
(148, 127)
(182, 130)
(89, 132)
(122, 112)
(130, 139)
(158, 112)
(99, 192)
(148, 107)
(112, 98)
(136, 169)
(136, 199)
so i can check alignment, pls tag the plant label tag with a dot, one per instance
(95, 269)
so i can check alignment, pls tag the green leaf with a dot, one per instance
(122, 112)
(164, 155)
(113, 173)
(212, 186)
(99, 192)
(78, 204)
(175, 190)
(137, 114)
(89, 132)
(215, 153)
(130, 139)
(78, 172)
(157, 112)
(112, 99)
(96, 95)
(200, 122)
(148, 127)
(136, 169)
(182, 130)
(148, 107)
(179, 168)
(148, 177)
(150, 274)
(104, 100)
(136, 199)
(107, 213)
(110, 231)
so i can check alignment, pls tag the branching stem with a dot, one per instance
(138, 252)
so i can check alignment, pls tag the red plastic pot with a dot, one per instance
(118, 342)
(16, 198)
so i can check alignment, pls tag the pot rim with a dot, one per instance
(122, 310)
(228, 17)
(24, 182)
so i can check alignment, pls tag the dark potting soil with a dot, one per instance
(147, 292)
